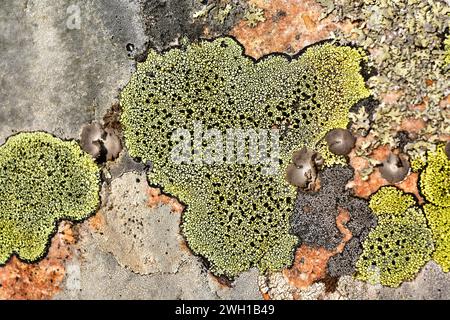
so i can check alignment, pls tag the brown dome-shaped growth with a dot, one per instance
(302, 172)
(112, 144)
(395, 168)
(102, 144)
(340, 141)
(90, 136)
(299, 177)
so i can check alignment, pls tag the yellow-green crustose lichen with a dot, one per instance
(42, 180)
(439, 222)
(237, 215)
(435, 179)
(447, 50)
(399, 245)
(435, 186)
(417, 164)
(390, 200)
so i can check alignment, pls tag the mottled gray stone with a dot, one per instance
(138, 253)
(244, 287)
(56, 77)
(95, 274)
(145, 240)
(431, 283)
(314, 219)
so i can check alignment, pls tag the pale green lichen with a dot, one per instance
(237, 215)
(405, 41)
(42, 180)
(254, 15)
(224, 12)
(387, 119)
(405, 37)
(203, 12)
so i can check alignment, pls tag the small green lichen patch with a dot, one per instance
(390, 200)
(254, 15)
(42, 179)
(439, 222)
(399, 245)
(237, 214)
(435, 179)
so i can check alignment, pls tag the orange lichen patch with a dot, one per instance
(289, 27)
(391, 97)
(66, 233)
(365, 188)
(265, 296)
(410, 185)
(309, 23)
(380, 153)
(341, 220)
(413, 125)
(420, 106)
(310, 264)
(445, 102)
(155, 198)
(42, 280)
(97, 221)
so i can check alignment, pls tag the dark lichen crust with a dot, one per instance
(42, 180)
(314, 219)
(237, 215)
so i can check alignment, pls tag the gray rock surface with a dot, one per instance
(430, 283)
(138, 253)
(64, 64)
(145, 240)
(245, 287)
(95, 274)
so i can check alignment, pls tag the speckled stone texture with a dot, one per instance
(145, 240)
(56, 77)
(132, 249)
(430, 283)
